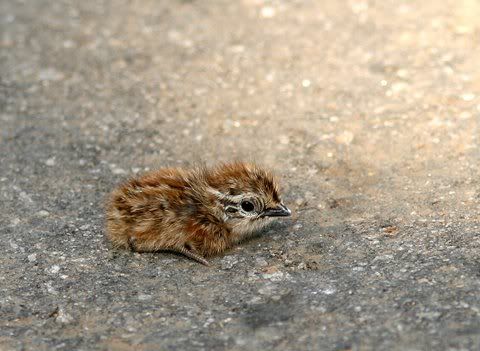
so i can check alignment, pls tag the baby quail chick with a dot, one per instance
(197, 212)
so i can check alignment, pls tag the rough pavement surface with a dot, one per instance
(368, 111)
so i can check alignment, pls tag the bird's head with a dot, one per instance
(248, 196)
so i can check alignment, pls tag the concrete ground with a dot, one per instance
(368, 111)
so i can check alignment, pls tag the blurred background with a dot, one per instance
(367, 110)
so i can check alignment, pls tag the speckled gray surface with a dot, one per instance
(368, 111)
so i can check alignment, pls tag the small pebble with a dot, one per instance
(402, 73)
(208, 322)
(144, 297)
(297, 226)
(329, 291)
(118, 171)
(465, 115)
(50, 74)
(51, 289)
(261, 262)
(228, 262)
(383, 258)
(43, 213)
(274, 276)
(300, 202)
(468, 97)
(54, 269)
(267, 12)
(50, 162)
(284, 140)
(346, 138)
(302, 265)
(399, 86)
(63, 317)
(67, 44)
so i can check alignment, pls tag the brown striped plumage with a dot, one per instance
(198, 212)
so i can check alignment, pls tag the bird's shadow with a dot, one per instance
(272, 229)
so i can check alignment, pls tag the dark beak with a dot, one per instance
(279, 211)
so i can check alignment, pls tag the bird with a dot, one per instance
(198, 212)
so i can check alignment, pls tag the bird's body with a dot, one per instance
(198, 212)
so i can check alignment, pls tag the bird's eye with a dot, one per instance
(247, 206)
